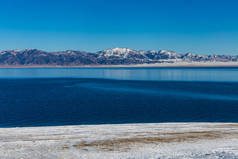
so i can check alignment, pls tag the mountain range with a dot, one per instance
(116, 56)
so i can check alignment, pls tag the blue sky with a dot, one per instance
(199, 26)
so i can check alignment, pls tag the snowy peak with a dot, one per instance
(120, 52)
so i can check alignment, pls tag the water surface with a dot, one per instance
(155, 74)
(43, 97)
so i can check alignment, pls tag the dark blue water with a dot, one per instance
(49, 97)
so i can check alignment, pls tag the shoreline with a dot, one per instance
(219, 124)
(155, 140)
(162, 65)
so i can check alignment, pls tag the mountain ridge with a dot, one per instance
(116, 56)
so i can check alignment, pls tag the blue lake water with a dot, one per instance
(70, 96)
(155, 74)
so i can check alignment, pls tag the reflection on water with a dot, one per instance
(157, 74)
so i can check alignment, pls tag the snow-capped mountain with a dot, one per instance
(120, 52)
(116, 56)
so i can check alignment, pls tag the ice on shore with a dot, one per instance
(127, 141)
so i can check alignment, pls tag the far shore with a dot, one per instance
(182, 64)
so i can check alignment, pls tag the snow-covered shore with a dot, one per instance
(142, 141)
(164, 64)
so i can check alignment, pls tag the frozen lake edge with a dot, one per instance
(139, 141)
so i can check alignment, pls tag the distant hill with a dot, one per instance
(116, 56)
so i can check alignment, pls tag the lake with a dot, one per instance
(148, 74)
(72, 96)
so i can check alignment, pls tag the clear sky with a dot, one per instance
(199, 26)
